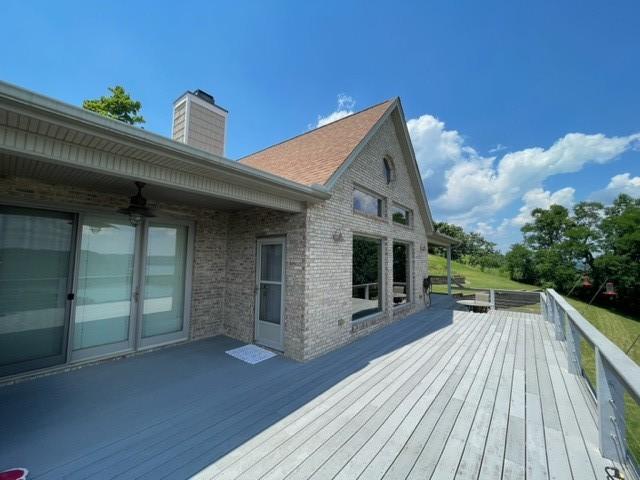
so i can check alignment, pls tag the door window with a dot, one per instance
(35, 259)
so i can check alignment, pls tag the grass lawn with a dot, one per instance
(474, 277)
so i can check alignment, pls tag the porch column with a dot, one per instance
(449, 270)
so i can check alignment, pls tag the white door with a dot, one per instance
(270, 292)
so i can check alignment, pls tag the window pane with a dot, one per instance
(401, 287)
(271, 263)
(164, 280)
(365, 203)
(35, 249)
(400, 215)
(366, 295)
(270, 302)
(105, 277)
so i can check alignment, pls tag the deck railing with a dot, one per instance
(616, 374)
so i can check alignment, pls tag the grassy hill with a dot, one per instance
(474, 277)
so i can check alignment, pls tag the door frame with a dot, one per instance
(110, 349)
(278, 240)
(183, 334)
(52, 361)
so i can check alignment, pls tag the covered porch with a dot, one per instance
(80, 279)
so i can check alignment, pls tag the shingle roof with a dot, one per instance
(313, 157)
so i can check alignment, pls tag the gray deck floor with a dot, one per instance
(441, 394)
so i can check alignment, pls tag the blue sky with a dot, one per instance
(511, 105)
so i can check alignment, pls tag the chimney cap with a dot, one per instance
(202, 95)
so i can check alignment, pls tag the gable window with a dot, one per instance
(366, 203)
(401, 215)
(389, 170)
(366, 298)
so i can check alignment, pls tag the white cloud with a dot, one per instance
(622, 183)
(539, 198)
(498, 148)
(476, 189)
(345, 106)
(435, 147)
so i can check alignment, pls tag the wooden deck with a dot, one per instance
(442, 394)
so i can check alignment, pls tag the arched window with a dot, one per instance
(389, 170)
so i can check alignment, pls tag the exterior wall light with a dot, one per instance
(337, 236)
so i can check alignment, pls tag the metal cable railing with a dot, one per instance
(616, 376)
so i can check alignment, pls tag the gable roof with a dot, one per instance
(319, 158)
(313, 157)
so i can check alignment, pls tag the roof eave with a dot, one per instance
(52, 110)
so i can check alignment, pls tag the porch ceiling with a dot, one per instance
(41, 129)
(13, 166)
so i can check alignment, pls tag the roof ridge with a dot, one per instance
(390, 100)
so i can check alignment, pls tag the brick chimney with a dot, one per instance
(199, 122)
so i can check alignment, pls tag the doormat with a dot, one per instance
(251, 354)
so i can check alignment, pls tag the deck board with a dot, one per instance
(440, 394)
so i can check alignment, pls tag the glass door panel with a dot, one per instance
(164, 282)
(105, 283)
(35, 263)
(270, 279)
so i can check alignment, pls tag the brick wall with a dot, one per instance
(245, 227)
(327, 315)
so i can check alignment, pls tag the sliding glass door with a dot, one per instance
(131, 285)
(165, 266)
(105, 287)
(35, 265)
(76, 289)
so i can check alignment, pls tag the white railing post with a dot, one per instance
(558, 321)
(449, 270)
(610, 398)
(573, 339)
(366, 292)
(492, 298)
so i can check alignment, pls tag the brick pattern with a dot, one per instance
(327, 315)
(245, 227)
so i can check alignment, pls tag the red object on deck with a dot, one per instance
(14, 474)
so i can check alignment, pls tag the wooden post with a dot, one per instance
(449, 270)
(611, 423)
(492, 298)
(366, 292)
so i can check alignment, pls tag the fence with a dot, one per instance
(616, 386)
(516, 300)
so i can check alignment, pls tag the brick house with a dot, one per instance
(301, 247)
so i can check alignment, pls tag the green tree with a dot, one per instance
(520, 264)
(118, 106)
(548, 227)
(472, 248)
